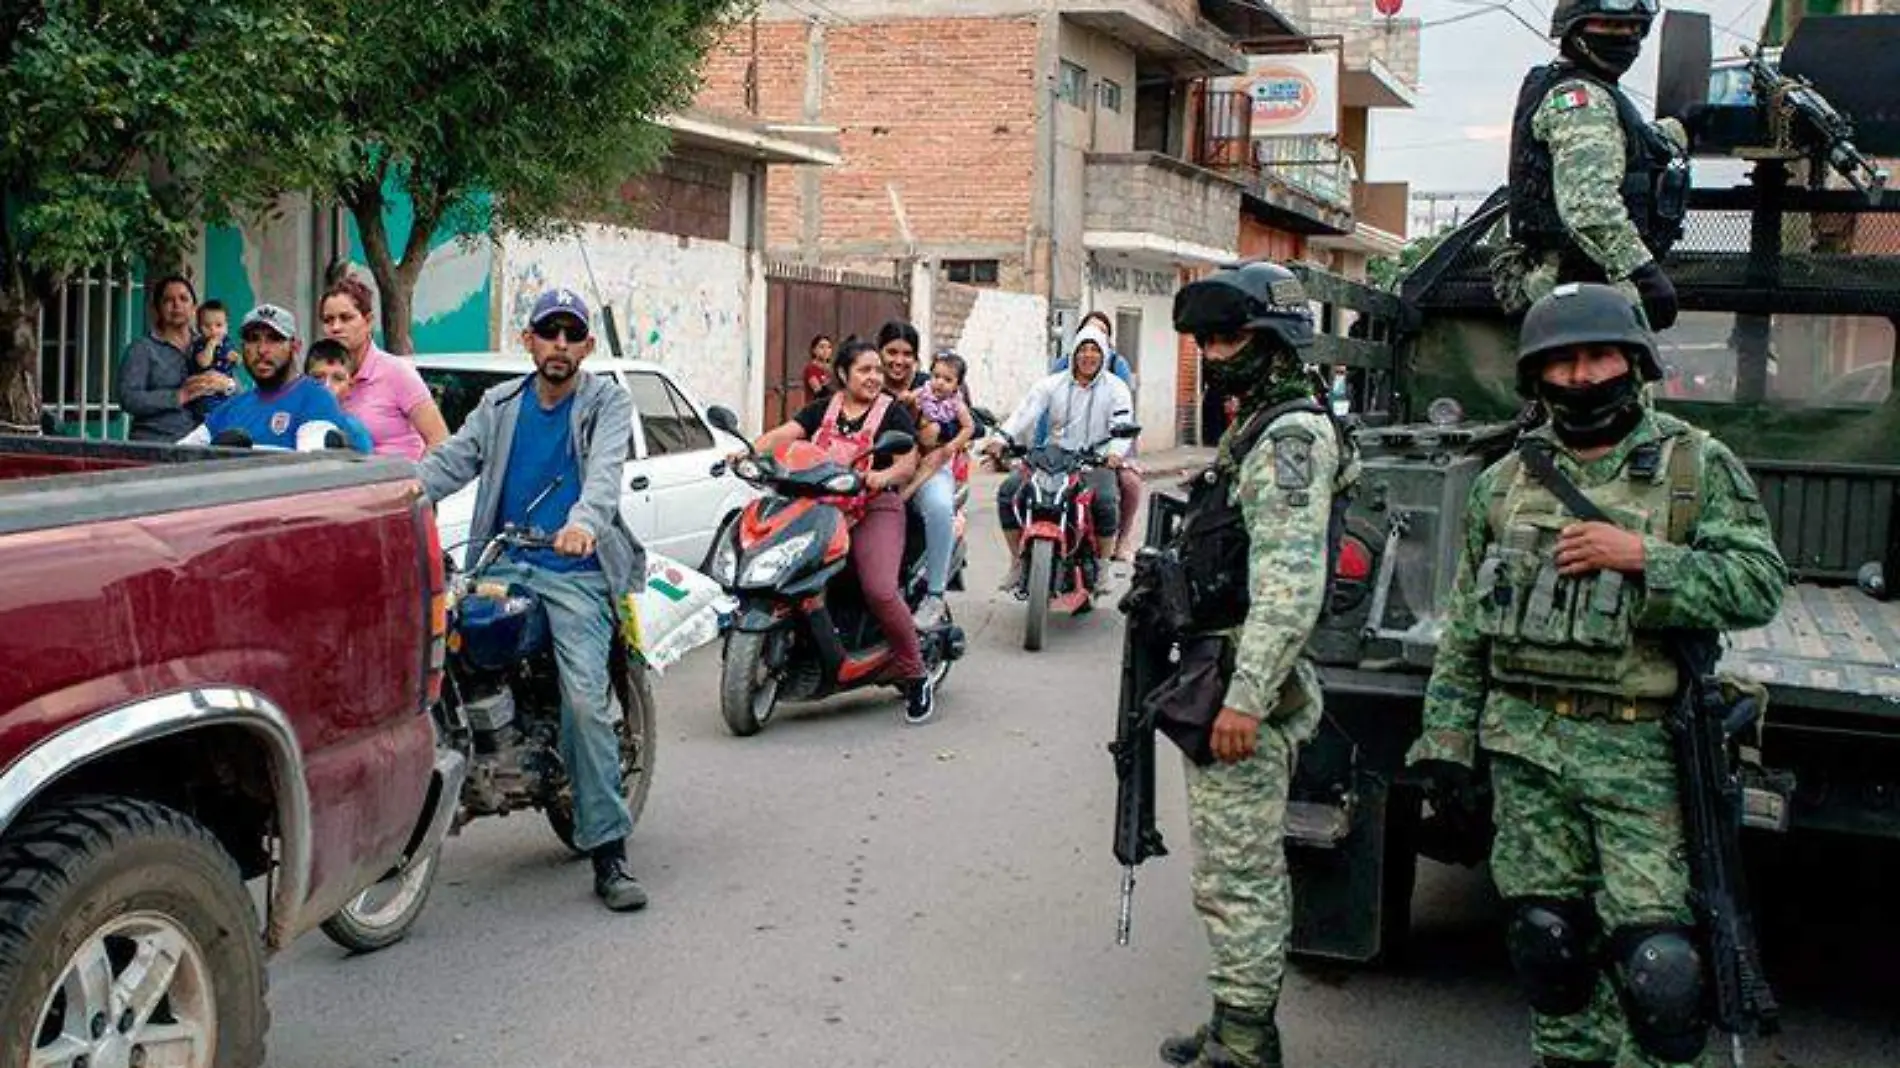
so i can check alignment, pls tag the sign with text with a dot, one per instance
(1293, 95)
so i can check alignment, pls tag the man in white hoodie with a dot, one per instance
(1083, 404)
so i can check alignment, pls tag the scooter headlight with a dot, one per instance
(725, 561)
(771, 565)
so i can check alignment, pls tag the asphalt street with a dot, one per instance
(845, 892)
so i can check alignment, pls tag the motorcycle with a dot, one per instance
(802, 631)
(1062, 567)
(500, 713)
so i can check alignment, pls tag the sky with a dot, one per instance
(1457, 138)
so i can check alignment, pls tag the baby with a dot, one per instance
(941, 402)
(216, 351)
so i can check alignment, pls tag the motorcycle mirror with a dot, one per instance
(893, 443)
(1125, 431)
(721, 417)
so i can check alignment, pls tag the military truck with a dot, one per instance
(1790, 286)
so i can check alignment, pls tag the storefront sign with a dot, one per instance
(1120, 279)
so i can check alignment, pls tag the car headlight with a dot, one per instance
(769, 566)
(725, 561)
(844, 483)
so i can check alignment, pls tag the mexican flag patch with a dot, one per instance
(1569, 99)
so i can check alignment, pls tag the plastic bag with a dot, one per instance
(679, 611)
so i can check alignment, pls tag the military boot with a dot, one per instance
(1236, 1038)
(1182, 1049)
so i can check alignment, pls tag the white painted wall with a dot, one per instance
(1003, 341)
(1119, 283)
(685, 303)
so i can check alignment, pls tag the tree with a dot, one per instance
(500, 116)
(1387, 272)
(125, 124)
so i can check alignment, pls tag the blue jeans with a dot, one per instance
(581, 614)
(936, 502)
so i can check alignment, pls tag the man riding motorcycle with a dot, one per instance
(1083, 404)
(548, 451)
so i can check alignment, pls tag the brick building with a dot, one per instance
(1050, 152)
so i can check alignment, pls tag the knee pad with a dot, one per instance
(1660, 980)
(1552, 942)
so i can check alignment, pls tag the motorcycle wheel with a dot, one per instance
(381, 916)
(639, 738)
(748, 693)
(1042, 562)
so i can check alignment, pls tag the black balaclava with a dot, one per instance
(1263, 374)
(1609, 55)
(1602, 413)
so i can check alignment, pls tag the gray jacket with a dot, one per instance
(603, 430)
(150, 377)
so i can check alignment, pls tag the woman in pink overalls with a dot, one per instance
(845, 425)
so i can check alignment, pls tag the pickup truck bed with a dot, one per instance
(1831, 648)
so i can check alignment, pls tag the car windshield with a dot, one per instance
(457, 392)
(1787, 361)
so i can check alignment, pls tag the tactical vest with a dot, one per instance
(1212, 540)
(1577, 632)
(1655, 185)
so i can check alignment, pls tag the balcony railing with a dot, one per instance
(1312, 165)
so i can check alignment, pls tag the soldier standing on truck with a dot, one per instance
(1253, 550)
(1597, 193)
(1553, 663)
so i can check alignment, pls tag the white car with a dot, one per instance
(679, 491)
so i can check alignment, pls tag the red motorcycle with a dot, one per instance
(802, 631)
(1062, 567)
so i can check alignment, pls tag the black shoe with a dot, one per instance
(1184, 1049)
(920, 701)
(613, 883)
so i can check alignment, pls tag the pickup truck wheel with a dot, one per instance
(127, 937)
(639, 730)
(381, 916)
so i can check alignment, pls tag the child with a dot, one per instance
(941, 406)
(329, 363)
(217, 352)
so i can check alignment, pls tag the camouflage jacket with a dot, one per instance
(1578, 120)
(1285, 490)
(1729, 576)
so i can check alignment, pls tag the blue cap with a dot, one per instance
(558, 302)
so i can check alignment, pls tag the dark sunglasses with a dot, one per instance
(549, 329)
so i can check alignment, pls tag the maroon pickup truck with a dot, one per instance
(215, 666)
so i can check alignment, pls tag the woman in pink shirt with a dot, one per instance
(388, 395)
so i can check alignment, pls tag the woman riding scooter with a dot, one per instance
(845, 426)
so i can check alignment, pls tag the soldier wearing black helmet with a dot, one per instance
(1597, 193)
(1253, 556)
(1553, 672)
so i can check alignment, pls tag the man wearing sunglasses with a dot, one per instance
(1597, 192)
(548, 451)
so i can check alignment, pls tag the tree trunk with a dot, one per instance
(395, 279)
(19, 361)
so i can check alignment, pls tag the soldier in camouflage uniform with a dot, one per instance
(1597, 193)
(1257, 536)
(1552, 666)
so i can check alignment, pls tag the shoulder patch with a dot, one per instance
(1293, 460)
(1576, 96)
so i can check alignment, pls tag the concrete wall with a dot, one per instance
(681, 302)
(1119, 284)
(1000, 334)
(1162, 195)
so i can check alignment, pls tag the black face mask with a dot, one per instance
(1608, 54)
(1598, 414)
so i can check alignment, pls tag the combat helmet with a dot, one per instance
(1583, 313)
(1568, 13)
(1261, 297)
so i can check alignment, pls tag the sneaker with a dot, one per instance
(613, 883)
(931, 613)
(920, 701)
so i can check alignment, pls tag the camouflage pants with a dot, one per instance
(1606, 829)
(1237, 813)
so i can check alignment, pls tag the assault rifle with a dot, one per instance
(1701, 723)
(1801, 120)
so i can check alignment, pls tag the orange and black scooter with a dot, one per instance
(802, 631)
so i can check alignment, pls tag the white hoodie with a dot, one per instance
(1079, 415)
